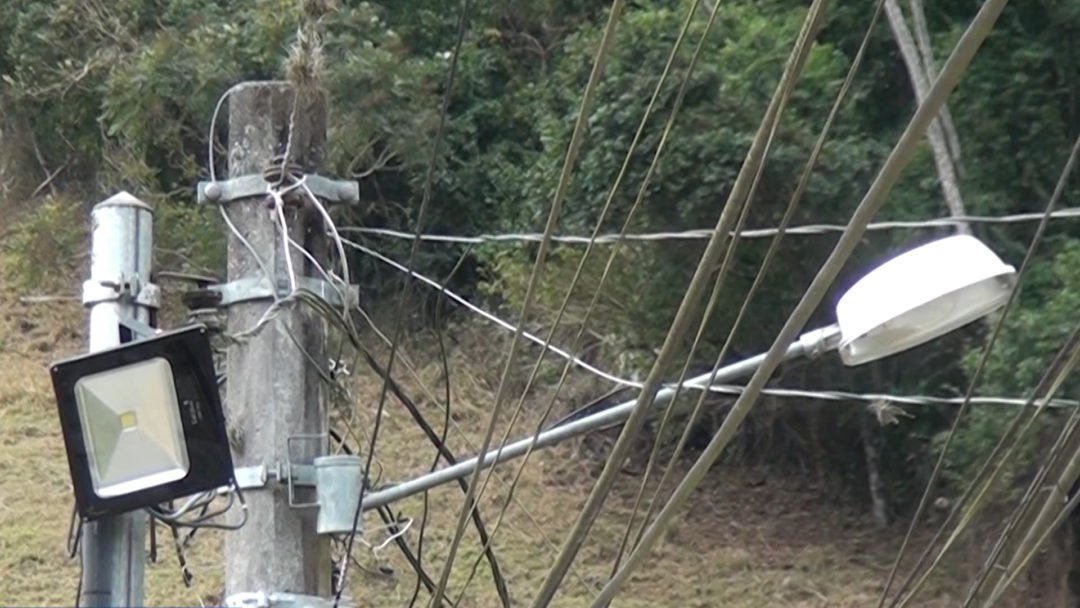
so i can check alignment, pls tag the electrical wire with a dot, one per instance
(729, 389)
(448, 456)
(247, 245)
(717, 246)
(1027, 557)
(487, 315)
(1061, 371)
(212, 136)
(388, 519)
(440, 302)
(429, 394)
(79, 585)
(774, 247)
(174, 519)
(707, 316)
(342, 257)
(875, 197)
(185, 573)
(983, 360)
(403, 297)
(700, 234)
(577, 137)
(598, 290)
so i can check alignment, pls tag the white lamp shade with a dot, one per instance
(131, 424)
(920, 295)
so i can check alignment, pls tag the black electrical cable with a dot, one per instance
(403, 298)
(445, 360)
(388, 518)
(448, 456)
(345, 323)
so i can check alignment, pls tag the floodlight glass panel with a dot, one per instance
(132, 429)
(920, 295)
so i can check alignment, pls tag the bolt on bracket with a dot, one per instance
(249, 186)
(121, 288)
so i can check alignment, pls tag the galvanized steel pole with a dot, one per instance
(112, 547)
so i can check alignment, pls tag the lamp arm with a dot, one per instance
(811, 344)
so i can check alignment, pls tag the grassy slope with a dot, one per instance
(739, 545)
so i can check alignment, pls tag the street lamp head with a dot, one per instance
(920, 295)
(142, 423)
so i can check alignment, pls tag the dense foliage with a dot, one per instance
(119, 95)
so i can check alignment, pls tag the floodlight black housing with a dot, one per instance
(143, 423)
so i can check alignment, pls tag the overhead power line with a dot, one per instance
(725, 389)
(702, 233)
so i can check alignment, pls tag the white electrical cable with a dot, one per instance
(702, 234)
(389, 539)
(490, 317)
(726, 389)
(333, 231)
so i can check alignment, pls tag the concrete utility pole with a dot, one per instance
(273, 392)
(119, 288)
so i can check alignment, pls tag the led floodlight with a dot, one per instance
(143, 423)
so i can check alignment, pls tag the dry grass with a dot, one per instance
(740, 544)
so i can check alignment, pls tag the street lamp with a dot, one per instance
(909, 300)
(920, 295)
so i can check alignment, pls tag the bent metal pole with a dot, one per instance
(810, 344)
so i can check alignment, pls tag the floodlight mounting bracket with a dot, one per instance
(133, 329)
(276, 599)
(254, 185)
(258, 288)
(290, 473)
(259, 476)
(121, 288)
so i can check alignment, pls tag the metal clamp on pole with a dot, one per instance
(248, 186)
(124, 289)
(336, 479)
(258, 288)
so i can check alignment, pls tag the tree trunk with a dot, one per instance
(929, 64)
(879, 504)
(920, 81)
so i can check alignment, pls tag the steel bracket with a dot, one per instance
(133, 329)
(276, 599)
(336, 479)
(121, 288)
(260, 476)
(292, 471)
(254, 185)
(251, 288)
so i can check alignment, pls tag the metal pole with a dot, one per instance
(274, 392)
(809, 344)
(112, 547)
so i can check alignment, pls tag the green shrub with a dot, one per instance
(42, 250)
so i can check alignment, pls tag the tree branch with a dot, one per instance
(935, 133)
